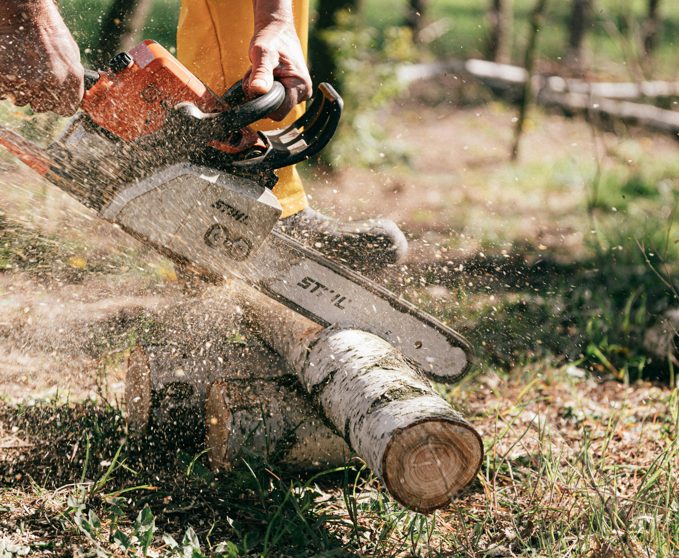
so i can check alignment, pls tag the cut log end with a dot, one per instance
(430, 462)
(138, 389)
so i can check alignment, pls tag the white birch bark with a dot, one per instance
(388, 412)
(271, 419)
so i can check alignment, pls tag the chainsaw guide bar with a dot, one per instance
(206, 201)
(224, 225)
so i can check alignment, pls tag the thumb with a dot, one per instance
(261, 77)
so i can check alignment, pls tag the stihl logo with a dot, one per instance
(321, 289)
(231, 211)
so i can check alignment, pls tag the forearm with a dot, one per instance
(28, 10)
(39, 60)
(269, 12)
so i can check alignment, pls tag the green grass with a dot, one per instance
(595, 307)
(566, 471)
(45, 256)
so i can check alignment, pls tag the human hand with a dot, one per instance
(275, 52)
(39, 60)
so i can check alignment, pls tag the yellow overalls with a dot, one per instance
(213, 40)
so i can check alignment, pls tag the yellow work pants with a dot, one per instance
(213, 40)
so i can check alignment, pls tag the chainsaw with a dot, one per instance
(154, 151)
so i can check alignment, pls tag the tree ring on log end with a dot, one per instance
(429, 462)
(138, 389)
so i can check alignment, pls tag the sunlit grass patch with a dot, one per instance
(66, 257)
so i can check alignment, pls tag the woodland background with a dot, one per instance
(542, 224)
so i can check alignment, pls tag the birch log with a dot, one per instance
(648, 117)
(508, 81)
(624, 91)
(388, 412)
(200, 373)
(270, 418)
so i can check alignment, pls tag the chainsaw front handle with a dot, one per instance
(245, 112)
(304, 138)
(209, 126)
(255, 109)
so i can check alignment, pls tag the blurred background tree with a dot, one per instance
(416, 15)
(578, 25)
(500, 22)
(321, 56)
(121, 29)
(651, 28)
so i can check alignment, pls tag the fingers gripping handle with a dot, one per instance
(245, 113)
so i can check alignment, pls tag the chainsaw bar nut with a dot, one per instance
(218, 237)
(239, 249)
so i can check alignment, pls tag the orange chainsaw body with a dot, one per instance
(134, 102)
(148, 112)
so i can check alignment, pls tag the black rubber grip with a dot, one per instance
(253, 110)
(218, 124)
(305, 137)
(91, 79)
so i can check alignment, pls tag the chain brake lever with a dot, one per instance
(206, 127)
(288, 146)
